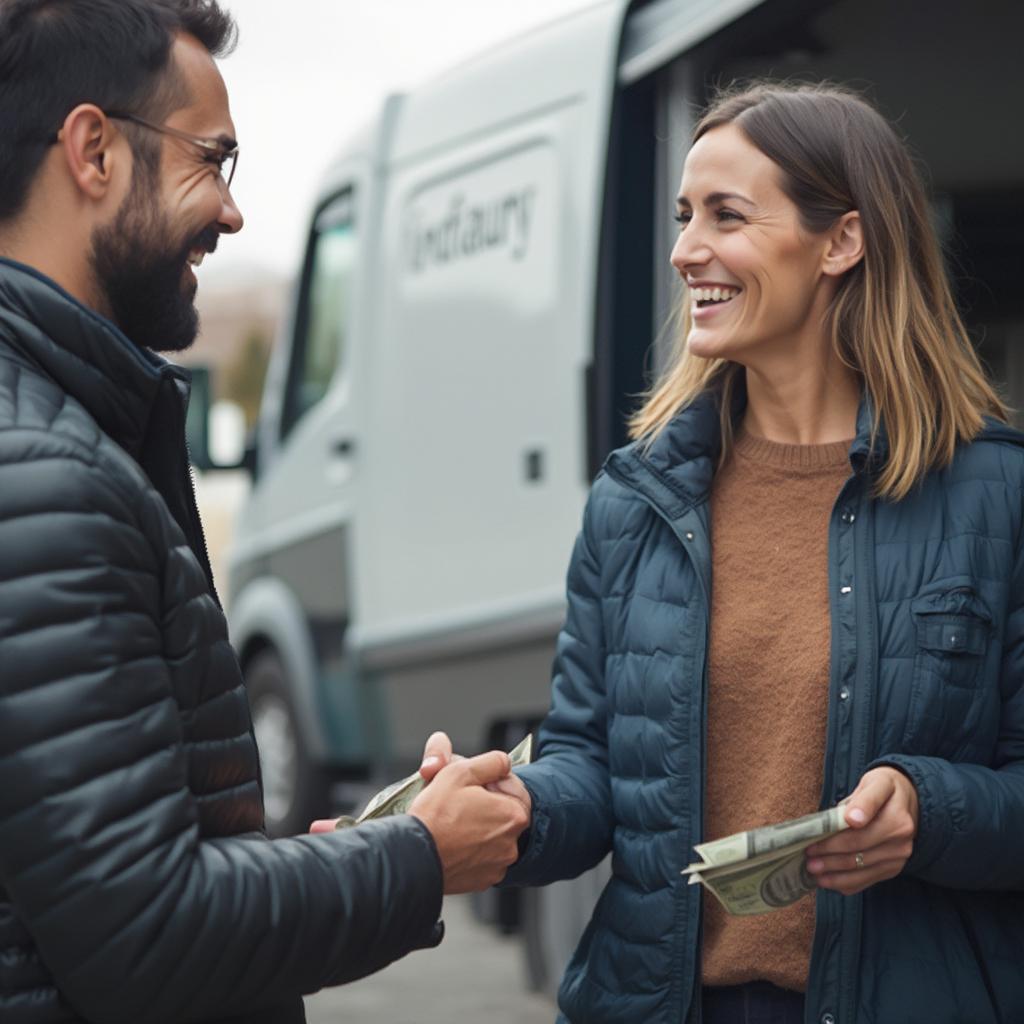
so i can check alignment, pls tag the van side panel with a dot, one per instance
(475, 448)
(474, 473)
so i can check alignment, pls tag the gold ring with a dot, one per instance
(858, 859)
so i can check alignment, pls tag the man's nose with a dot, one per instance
(230, 220)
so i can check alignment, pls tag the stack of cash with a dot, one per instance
(764, 869)
(398, 797)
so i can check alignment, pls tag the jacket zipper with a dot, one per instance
(197, 540)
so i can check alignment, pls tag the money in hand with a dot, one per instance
(398, 797)
(764, 869)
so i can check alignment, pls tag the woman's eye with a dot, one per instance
(728, 215)
(682, 219)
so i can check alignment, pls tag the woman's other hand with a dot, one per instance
(882, 814)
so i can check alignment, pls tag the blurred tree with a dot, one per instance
(242, 380)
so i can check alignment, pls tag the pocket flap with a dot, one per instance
(952, 634)
(953, 620)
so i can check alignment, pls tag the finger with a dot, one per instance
(870, 796)
(514, 788)
(484, 768)
(323, 825)
(858, 860)
(874, 834)
(850, 882)
(506, 786)
(436, 754)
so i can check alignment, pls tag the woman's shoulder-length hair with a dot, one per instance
(893, 319)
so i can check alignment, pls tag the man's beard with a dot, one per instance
(140, 271)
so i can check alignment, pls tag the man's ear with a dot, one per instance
(845, 247)
(89, 141)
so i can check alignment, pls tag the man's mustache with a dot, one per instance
(206, 240)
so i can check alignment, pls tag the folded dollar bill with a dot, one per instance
(398, 797)
(764, 869)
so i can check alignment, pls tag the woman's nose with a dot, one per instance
(690, 249)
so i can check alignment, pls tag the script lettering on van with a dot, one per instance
(469, 229)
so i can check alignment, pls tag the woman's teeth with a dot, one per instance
(702, 295)
(196, 258)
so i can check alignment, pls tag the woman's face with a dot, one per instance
(757, 286)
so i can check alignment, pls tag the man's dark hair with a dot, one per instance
(56, 54)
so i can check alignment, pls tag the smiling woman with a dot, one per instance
(835, 210)
(803, 582)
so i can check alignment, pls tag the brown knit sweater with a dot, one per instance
(768, 675)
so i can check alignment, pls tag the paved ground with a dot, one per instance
(475, 975)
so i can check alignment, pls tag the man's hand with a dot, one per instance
(438, 752)
(475, 828)
(882, 813)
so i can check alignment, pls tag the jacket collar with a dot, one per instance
(675, 472)
(84, 353)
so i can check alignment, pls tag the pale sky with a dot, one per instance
(308, 73)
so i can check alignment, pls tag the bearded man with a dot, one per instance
(135, 881)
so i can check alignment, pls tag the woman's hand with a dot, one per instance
(882, 814)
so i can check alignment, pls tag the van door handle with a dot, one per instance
(343, 447)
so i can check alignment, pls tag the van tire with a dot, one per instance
(295, 788)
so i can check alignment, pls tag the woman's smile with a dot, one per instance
(708, 300)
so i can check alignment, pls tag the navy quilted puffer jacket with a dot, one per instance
(135, 883)
(927, 610)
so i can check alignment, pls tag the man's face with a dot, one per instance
(172, 216)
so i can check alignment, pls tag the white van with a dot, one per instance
(486, 275)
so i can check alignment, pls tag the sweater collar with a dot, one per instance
(675, 472)
(87, 355)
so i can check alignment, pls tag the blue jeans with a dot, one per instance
(757, 1002)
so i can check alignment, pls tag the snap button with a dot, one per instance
(956, 639)
(828, 1018)
(848, 516)
(844, 693)
(689, 534)
(845, 590)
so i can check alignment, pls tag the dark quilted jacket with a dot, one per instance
(135, 883)
(927, 674)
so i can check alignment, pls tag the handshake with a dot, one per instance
(474, 808)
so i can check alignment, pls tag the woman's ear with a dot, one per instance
(845, 247)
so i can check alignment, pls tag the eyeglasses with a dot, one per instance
(223, 154)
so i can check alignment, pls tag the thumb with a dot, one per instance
(436, 754)
(487, 768)
(323, 825)
(871, 794)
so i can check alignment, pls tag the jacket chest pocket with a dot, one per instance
(952, 627)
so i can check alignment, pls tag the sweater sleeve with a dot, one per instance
(136, 916)
(971, 816)
(569, 783)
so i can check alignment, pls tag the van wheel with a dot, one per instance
(295, 788)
